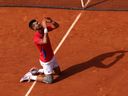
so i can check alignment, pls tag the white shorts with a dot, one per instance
(49, 66)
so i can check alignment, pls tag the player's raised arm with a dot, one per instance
(50, 22)
(45, 37)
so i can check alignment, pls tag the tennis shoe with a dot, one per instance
(26, 77)
(34, 71)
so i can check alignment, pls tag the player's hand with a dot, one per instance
(48, 19)
(43, 23)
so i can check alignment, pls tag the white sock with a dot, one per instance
(41, 70)
(33, 77)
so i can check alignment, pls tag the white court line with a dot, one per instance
(57, 48)
(67, 33)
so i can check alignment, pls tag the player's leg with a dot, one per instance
(33, 75)
(56, 67)
(45, 79)
(48, 69)
(48, 72)
(40, 78)
(36, 71)
(41, 71)
(48, 78)
(56, 70)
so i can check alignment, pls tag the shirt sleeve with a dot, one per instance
(49, 28)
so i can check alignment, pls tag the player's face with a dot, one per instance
(36, 26)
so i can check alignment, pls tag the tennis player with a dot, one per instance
(47, 58)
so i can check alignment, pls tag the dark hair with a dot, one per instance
(31, 22)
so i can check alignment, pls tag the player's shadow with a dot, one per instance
(97, 61)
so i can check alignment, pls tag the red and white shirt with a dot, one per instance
(46, 52)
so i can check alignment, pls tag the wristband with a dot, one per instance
(45, 30)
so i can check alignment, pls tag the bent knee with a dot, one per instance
(48, 79)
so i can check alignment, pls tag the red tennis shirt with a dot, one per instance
(46, 52)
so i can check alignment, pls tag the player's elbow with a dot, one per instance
(56, 25)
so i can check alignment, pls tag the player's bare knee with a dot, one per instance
(48, 79)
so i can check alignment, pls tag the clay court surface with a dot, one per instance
(93, 58)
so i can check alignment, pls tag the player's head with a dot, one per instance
(35, 25)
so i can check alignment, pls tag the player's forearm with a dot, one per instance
(44, 24)
(54, 24)
(45, 38)
(51, 22)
